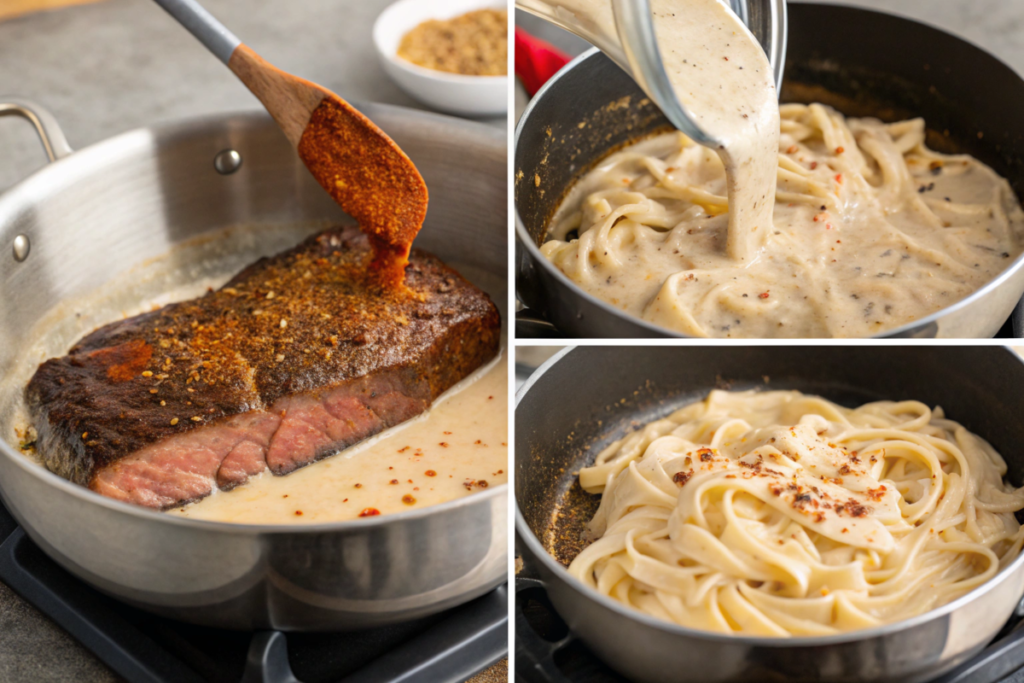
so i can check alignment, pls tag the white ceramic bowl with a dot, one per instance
(452, 93)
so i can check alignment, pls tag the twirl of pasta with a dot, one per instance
(781, 514)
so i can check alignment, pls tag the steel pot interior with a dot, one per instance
(557, 433)
(146, 217)
(871, 64)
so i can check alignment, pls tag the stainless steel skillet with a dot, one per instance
(100, 219)
(865, 63)
(586, 397)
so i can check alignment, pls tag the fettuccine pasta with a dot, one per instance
(782, 514)
(872, 230)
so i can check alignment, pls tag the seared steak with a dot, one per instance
(294, 359)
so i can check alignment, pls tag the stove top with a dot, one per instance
(547, 652)
(143, 648)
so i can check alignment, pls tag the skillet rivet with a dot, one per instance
(21, 248)
(227, 161)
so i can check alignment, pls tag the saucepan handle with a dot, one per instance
(529, 324)
(532, 651)
(50, 134)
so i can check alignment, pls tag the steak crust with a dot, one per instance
(297, 357)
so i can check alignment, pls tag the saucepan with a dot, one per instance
(586, 397)
(109, 215)
(864, 63)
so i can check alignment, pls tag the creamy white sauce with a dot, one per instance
(829, 228)
(721, 74)
(475, 409)
(872, 230)
(444, 454)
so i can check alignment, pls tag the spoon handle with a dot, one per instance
(203, 26)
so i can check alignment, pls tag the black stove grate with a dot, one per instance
(144, 648)
(546, 652)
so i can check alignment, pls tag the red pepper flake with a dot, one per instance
(408, 499)
(403, 450)
(359, 486)
(285, 495)
(839, 150)
(763, 295)
(393, 481)
(814, 165)
(839, 178)
(345, 501)
(369, 512)
(443, 444)
(446, 432)
(430, 473)
(854, 508)
(877, 494)
(298, 513)
(680, 478)
(792, 149)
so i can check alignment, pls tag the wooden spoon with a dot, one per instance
(359, 166)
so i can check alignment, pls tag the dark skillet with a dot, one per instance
(590, 396)
(862, 62)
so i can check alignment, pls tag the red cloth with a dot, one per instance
(536, 61)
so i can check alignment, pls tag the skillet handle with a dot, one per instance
(530, 324)
(538, 660)
(50, 134)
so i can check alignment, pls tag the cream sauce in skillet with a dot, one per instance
(804, 225)
(872, 230)
(456, 448)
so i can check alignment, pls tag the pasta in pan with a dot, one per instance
(872, 230)
(783, 514)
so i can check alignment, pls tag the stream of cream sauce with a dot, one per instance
(721, 74)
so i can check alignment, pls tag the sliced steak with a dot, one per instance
(297, 357)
